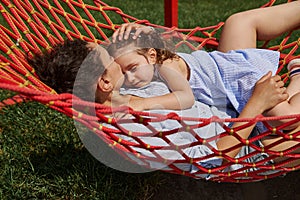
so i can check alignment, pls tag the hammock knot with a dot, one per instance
(32, 12)
(188, 128)
(141, 119)
(28, 74)
(11, 5)
(220, 153)
(13, 46)
(26, 31)
(109, 120)
(113, 27)
(129, 133)
(9, 52)
(231, 132)
(160, 134)
(81, 20)
(119, 140)
(4, 64)
(29, 20)
(81, 37)
(246, 142)
(51, 103)
(26, 83)
(53, 91)
(281, 154)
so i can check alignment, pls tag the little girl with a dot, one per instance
(222, 78)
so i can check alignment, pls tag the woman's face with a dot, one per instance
(113, 70)
(137, 69)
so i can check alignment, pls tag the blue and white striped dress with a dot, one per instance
(198, 110)
(223, 79)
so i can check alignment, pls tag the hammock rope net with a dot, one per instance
(28, 27)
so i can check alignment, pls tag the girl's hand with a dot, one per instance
(268, 92)
(123, 32)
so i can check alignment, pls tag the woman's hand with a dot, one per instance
(123, 32)
(268, 92)
(134, 102)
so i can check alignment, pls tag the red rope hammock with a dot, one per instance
(29, 26)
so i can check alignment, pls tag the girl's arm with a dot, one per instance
(171, 101)
(181, 96)
(268, 92)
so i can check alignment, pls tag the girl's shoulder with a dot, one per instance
(177, 64)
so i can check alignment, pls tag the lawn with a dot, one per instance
(41, 155)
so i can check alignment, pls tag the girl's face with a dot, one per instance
(137, 68)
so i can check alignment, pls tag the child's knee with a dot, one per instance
(239, 19)
(238, 32)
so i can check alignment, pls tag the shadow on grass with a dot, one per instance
(42, 157)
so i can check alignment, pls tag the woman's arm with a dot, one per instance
(268, 92)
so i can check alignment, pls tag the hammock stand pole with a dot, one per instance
(171, 13)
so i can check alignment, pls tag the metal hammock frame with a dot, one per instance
(27, 27)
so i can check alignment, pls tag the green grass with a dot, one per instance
(41, 155)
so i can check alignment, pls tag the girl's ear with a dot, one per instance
(104, 84)
(152, 56)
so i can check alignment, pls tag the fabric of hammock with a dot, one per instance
(28, 27)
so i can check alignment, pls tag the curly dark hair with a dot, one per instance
(59, 67)
(164, 48)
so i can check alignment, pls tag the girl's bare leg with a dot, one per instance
(282, 147)
(242, 30)
(289, 107)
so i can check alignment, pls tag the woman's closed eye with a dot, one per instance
(133, 69)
